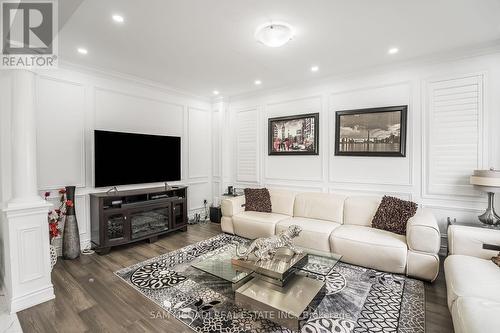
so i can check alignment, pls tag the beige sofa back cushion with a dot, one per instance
(282, 201)
(359, 210)
(322, 206)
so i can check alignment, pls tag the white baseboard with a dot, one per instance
(26, 301)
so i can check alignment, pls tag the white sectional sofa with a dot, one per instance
(472, 279)
(342, 224)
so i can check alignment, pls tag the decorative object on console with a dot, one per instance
(55, 218)
(71, 235)
(371, 132)
(488, 181)
(257, 200)
(264, 248)
(294, 135)
(393, 214)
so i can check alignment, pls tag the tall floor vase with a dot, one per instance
(71, 235)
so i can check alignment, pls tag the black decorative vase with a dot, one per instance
(71, 235)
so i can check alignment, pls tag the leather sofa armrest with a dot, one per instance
(422, 232)
(469, 241)
(232, 206)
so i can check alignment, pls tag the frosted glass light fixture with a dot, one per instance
(274, 34)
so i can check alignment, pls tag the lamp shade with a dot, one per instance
(486, 180)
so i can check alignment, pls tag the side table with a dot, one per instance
(477, 224)
(215, 214)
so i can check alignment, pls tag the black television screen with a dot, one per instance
(127, 158)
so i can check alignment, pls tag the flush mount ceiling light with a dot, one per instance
(81, 50)
(274, 34)
(393, 50)
(118, 18)
(257, 82)
(314, 68)
(215, 92)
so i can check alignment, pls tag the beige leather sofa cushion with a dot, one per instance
(471, 277)
(282, 201)
(469, 241)
(368, 247)
(232, 205)
(422, 265)
(226, 224)
(359, 210)
(322, 206)
(422, 232)
(256, 224)
(475, 315)
(315, 233)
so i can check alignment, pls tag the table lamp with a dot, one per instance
(487, 181)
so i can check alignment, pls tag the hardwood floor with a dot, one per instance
(91, 298)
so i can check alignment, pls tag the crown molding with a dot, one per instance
(455, 54)
(110, 74)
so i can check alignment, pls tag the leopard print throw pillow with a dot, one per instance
(393, 214)
(257, 200)
(496, 259)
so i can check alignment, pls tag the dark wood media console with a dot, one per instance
(123, 217)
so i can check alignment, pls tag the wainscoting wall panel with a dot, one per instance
(125, 112)
(200, 143)
(60, 133)
(293, 168)
(371, 170)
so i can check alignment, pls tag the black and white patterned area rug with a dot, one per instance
(357, 299)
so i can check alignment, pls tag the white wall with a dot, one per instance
(413, 177)
(72, 103)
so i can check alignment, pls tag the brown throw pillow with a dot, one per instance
(393, 214)
(257, 200)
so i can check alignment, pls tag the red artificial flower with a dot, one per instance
(62, 191)
(69, 203)
(54, 232)
(47, 194)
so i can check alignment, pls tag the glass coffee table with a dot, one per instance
(259, 291)
(218, 263)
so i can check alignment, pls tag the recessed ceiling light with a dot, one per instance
(81, 50)
(258, 82)
(118, 18)
(274, 34)
(314, 68)
(393, 50)
(215, 92)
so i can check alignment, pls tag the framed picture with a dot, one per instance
(294, 135)
(371, 132)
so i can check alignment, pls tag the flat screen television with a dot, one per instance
(129, 158)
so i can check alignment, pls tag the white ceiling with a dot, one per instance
(203, 45)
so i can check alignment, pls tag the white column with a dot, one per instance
(25, 231)
(24, 180)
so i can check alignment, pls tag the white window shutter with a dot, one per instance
(454, 132)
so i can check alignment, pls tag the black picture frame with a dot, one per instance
(403, 109)
(270, 140)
